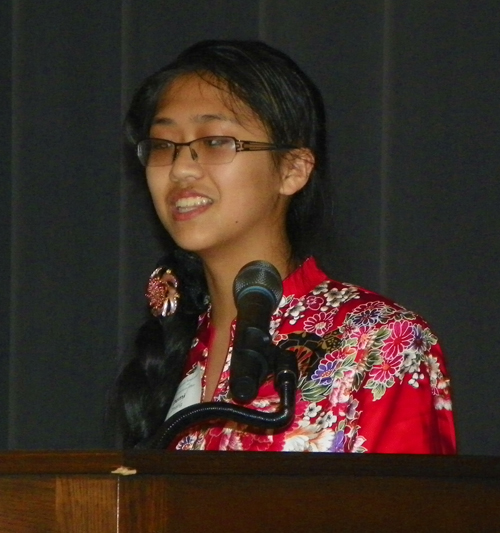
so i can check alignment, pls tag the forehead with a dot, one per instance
(197, 99)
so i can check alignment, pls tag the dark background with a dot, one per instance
(412, 89)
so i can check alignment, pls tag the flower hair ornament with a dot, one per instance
(162, 292)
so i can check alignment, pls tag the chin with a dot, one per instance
(191, 245)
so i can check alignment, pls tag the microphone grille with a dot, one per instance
(259, 275)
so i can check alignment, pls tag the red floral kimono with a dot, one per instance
(372, 376)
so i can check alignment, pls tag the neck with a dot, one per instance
(221, 271)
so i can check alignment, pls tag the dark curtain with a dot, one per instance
(411, 88)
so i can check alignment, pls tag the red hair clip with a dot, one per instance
(162, 292)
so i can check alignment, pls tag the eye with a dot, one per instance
(158, 145)
(215, 143)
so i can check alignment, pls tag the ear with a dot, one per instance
(296, 169)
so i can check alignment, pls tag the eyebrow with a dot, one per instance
(198, 119)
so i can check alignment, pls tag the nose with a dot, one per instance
(192, 151)
(185, 167)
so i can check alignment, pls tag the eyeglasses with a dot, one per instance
(216, 150)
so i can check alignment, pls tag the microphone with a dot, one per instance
(257, 292)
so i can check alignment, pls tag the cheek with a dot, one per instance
(158, 195)
(254, 179)
(156, 184)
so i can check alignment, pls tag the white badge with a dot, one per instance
(188, 393)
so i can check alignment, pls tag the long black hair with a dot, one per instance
(291, 109)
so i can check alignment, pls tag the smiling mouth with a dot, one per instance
(184, 205)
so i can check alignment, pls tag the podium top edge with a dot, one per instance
(160, 462)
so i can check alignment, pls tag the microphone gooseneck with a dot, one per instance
(285, 382)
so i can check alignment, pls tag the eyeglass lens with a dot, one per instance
(207, 150)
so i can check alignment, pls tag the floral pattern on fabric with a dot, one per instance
(372, 376)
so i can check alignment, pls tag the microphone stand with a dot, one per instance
(285, 383)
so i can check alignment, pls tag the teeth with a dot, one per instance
(187, 204)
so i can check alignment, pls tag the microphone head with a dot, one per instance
(258, 276)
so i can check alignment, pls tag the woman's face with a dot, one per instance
(236, 207)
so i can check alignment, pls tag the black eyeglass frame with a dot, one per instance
(240, 146)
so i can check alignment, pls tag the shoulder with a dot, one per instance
(326, 304)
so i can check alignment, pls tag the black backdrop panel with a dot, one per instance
(443, 230)
(65, 220)
(5, 211)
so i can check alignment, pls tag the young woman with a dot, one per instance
(231, 135)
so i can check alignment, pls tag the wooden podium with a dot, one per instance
(159, 492)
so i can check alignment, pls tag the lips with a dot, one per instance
(189, 203)
(184, 205)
